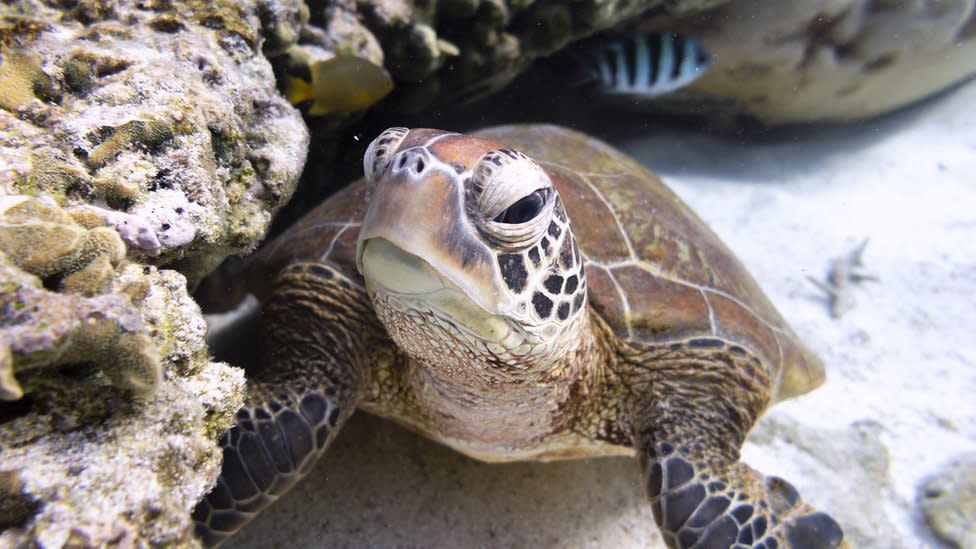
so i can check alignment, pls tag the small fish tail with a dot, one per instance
(320, 108)
(297, 90)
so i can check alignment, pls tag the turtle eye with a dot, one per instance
(525, 210)
(510, 199)
(380, 152)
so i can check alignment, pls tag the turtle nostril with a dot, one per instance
(401, 162)
(420, 165)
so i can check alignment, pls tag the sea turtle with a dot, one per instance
(523, 293)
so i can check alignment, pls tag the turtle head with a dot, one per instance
(470, 236)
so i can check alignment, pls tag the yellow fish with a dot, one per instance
(343, 84)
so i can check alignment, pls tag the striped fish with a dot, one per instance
(646, 65)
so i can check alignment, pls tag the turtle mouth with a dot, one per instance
(399, 272)
(392, 272)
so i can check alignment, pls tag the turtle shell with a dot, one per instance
(656, 273)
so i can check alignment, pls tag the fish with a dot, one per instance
(645, 65)
(343, 84)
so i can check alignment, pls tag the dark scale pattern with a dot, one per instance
(553, 284)
(542, 304)
(705, 343)
(512, 267)
(293, 413)
(813, 532)
(678, 506)
(274, 439)
(577, 302)
(709, 511)
(322, 271)
(694, 510)
(385, 146)
(563, 310)
(554, 230)
(566, 255)
(313, 407)
(720, 535)
(560, 212)
(571, 284)
(742, 513)
(535, 257)
(511, 153)
(263, 457)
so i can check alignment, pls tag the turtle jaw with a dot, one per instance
(391, 272)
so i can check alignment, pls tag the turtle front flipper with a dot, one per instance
(702, 503)
(318, 326)
(702, 496)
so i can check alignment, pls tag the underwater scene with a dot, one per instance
(488, 273)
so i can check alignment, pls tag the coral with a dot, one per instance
(43, 329)
(21, 79)
(164, 111)
(799, 61)
(149, 133)
(133, 136)
(43, 240)
(73, 451)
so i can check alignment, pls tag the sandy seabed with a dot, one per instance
(897, 405)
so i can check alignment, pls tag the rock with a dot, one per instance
(40, 328)
(449, 51)
(776, 61)
(133, 136)
(948, 500)
(45, 241)
(824, 464)
(83, 463)
(831, 60)
(161, 119)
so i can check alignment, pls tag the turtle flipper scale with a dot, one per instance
(688, 428)
(707, 506)
(317, 321)
(271, 446)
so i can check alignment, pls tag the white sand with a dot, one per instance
(899, 399)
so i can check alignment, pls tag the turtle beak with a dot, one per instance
(415, 239)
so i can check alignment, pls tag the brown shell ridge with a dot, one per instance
(345, 226)
(297, 235)
(704, 290)
(711, 311)
(620, 291)
(596, 174)
(643, 265)
(613, 211)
